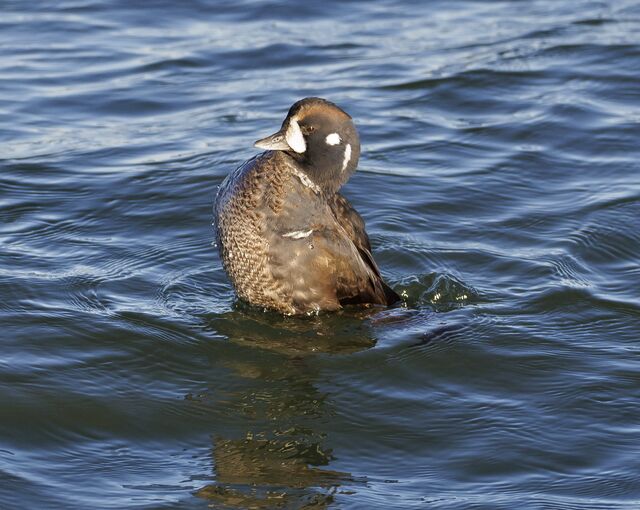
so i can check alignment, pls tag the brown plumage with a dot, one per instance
(288, 239)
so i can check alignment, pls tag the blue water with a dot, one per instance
(500, 183)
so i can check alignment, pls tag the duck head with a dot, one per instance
(321, 138)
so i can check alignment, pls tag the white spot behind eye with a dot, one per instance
(294, 137)
(347, 157)
(333, 139)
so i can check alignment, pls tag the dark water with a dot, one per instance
(500, 182)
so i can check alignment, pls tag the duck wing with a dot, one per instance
(353, 225)
(318, 252)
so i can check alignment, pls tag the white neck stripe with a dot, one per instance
(347, 157)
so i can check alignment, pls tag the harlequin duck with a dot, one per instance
(288, 240)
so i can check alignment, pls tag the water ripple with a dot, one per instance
(498, 181)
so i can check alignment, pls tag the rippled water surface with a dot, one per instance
(500, 183)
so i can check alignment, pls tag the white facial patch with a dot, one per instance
(333, 139)
(294, 137)
(347, 157)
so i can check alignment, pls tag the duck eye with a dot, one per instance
(306, 130)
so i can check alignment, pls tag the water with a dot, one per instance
(501, 188)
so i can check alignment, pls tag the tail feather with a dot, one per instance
(390, 295)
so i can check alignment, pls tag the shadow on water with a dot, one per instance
(282, 458)
(337, 333)
(279, 456)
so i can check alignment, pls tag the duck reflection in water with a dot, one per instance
(281, 458)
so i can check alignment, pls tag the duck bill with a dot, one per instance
(275, 142)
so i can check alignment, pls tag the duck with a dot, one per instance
(288, 240)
